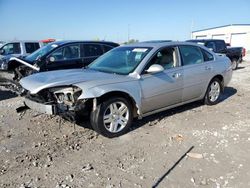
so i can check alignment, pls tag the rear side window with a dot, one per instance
(91, 50)
(31, 47)
(107, 48)
(191, 55)
(206, 55)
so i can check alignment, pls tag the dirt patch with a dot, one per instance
(36, 152)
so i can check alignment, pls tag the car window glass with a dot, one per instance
(191, 55)
(207, 56)
(91, 50)
(107, 48)
(31, 46)
(211, 45)
(12, 48)
(122, 60)
(165, 57)
(66, 53)
(220, 46)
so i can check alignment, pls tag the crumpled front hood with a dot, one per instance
(40, 81)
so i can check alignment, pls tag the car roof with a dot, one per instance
(159, 44)
(62, 42)
(21, 41)
(203, 40)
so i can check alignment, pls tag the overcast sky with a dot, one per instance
(116, 20)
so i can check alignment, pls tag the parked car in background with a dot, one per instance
(60, 55)
(235, 54)
(130, 81)
(16, 49)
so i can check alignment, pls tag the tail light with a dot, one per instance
(243, 52)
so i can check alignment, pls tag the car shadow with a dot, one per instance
(4, 95)
(153, 119)
(239, 68)
(228, 92)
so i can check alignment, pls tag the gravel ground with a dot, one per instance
(36, 152)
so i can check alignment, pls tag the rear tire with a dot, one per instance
(235, 64)
(213, 92)
(112, 118)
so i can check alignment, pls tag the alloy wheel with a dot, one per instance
(116, 117)
(214, 92)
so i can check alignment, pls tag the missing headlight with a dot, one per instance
(66, 95)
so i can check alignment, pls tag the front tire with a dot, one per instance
(112, 117)
(213, 92)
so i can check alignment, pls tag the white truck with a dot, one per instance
(17, 49)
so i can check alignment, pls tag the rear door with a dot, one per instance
(197, 70)
(162, 89)
(91, 52)
(66, 57)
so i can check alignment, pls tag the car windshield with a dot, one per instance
(40, 52)
(122, 60)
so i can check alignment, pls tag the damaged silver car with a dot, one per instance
(130, 81)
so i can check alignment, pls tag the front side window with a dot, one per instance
(66, 53)
(11, 48)
(121, 60)
(191, 55)
(166, 57)
(41, 52)
(31, 47)
(91, 50)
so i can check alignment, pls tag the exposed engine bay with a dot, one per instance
(61, 101)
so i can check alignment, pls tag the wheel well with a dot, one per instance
(120, 94)
(220, 77)
(13, 64)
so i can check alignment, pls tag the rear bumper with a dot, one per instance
(228, 76)
(42, 108)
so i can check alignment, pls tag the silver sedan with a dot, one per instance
(130, 81)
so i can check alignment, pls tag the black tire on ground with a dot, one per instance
(104, 109)
(235, 64)
(213, 86)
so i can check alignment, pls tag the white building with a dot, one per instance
(236, 34)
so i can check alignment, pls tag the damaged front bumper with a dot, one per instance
(42, 108)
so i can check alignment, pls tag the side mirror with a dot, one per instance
(155, 68)
(51, 59)
(2, 51)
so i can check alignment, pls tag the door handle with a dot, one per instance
(177, 75)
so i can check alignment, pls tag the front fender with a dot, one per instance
(130, 88)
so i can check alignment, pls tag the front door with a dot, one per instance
(162, 89)
(66, 57)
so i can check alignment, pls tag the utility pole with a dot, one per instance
(191, 29)
(128, 33)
